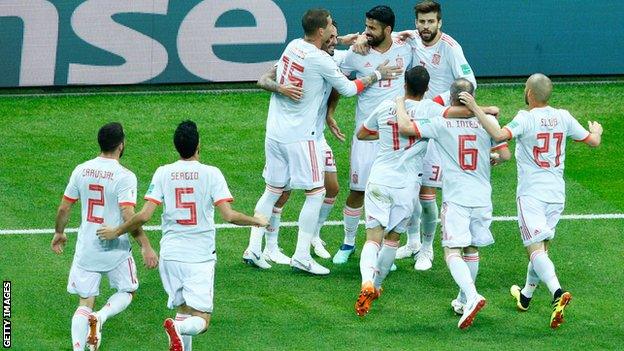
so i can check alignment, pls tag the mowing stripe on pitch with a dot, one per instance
(243, 90)
(150, 228)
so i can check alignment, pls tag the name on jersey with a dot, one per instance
(549, 122)
(97, 174)
(463, 123)
(184, 175)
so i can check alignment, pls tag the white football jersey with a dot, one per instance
(444, 61)
(189, 191)
(540, 150)
(305, 65)
(103, 186)
(464, 148)
(399, 54)
(338, 57)
(399, 159)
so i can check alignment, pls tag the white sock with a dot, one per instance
(368, 261)
(271, 233)
(307, 223)
(472, 261)
(187, 340)
(413, 228)
(461, 274)
(385, 259)
(191, 326)
(326, 208)
(116, 303)
(545, 270)
(264, 207)
(429, 220)
(351, 217)
(80, 327)
(532, 280)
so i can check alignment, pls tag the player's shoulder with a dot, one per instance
(126, 173)
(448, 41)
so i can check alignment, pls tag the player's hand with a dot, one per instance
(106, 233)
(491, 110)
(261, 220)
(468, 100)
(389, 72)
(291, 91)
(58, 242)
(406, 34)
(495, 159)
(335, 130)
(348, 39)
(594, 127)
(361, 45)
(150, 257)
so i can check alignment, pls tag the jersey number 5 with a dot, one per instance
(290, 68)
(544, 149)
(189, 205)
(95, 202)
(467, 156)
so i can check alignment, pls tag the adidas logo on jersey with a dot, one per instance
(368, 64)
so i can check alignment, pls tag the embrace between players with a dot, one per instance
(416, 116)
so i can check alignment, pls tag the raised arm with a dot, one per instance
(268, 81)
(232, 216)
(493, 129)
(406, 126)
(150, 258)
(344, 86)
(62, 218)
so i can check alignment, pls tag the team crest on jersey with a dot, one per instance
(368, 64)
(422, 63)
(436, 59)
(399, 62)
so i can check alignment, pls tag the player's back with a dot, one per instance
(102, 185)
(189, 191)
(464, 148)
(399, 54)
(399, 159)
(540, 150)
(306, 66)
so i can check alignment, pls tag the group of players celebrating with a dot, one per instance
(416, 117)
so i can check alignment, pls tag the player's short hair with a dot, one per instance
(541, 87)
(383, 14)
(334, 23)
(417, 81)
(110, 136)
(313, 19)
(428, 6)
(460, 85)
(186, 139)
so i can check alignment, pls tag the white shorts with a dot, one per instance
(188, 283)
(432, 167)
(537, 220)
(363, 155)
(85, 283)
(329, 162)
(465, 226)
(296, 165)
(391, 208)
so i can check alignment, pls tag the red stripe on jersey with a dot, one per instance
(498, 147)
(228, 199)
(72, 200)
(360, 86)
(510, 136)
(313, 163)
(131, 204)
(274, 190)
(438, 99)
(448, 40)
(416, 130)
(152, 200)
(369, 131)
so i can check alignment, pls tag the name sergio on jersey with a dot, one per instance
(184, 175)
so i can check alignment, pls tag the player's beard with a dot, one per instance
(374, 41)
(430, 36)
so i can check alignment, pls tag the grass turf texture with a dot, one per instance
(43, 139)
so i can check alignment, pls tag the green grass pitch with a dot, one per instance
(42, 139)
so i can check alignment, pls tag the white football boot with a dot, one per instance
(424, 260)
(94, 339)
(254, 259)
(276, 255)
(308, 265)
(470, 311)
(319, 248)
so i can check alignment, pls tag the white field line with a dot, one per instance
(328, 223)
(231, 91)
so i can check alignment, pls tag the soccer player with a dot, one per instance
(466, 205)
(293, 155)
(389, 197)
(107, 192)
(272, 251)
(444, 59)
(379, 24)
(541, 134)
(190, 192)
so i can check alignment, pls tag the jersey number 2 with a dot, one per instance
(189, 205)
(95, 202)
(544, 149)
